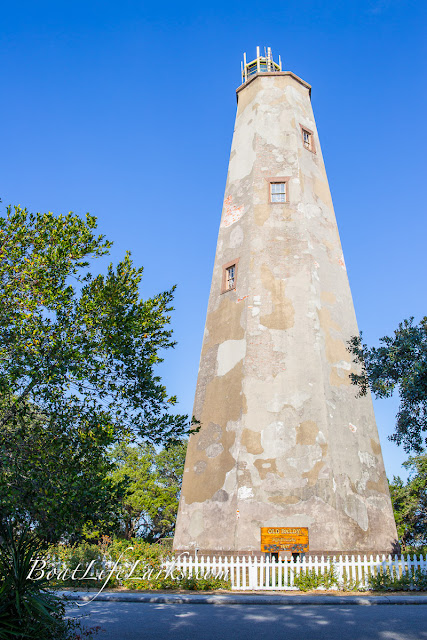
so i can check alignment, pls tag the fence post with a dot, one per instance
(238, 581)
(262, 572)
(232, 572)
(280, 573)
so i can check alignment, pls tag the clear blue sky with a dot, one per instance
(126, 109)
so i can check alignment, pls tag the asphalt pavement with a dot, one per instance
(303, 619)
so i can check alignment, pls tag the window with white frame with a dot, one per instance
(278, 192)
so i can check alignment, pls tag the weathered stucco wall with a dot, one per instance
(284, 441)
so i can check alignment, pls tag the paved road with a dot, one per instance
(133, 620)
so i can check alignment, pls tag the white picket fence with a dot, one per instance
(254, 574)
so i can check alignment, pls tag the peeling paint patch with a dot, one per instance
(321, 189)
(244, 493)
(265, 466)
(229, 354)
(283, 314)
(337, 378)
(328, 296)
(210, 435)
(284, 499)
(313, 475)
(276, 404)
(220, 496)
(380, 486)
(367, 458)
(214, 450)
(252, 441)
(307, 432)
(223, 324)
(326, 321)
(261, 213)
(336, 350)
(195, 527)
(355, 508)
(223, 403)
(231, 213)
(343, 365)
(200, 466)
(376, 447)
(361, 484)
(341, 262)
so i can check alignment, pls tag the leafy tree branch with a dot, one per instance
(399, 364)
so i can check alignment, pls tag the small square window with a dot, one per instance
(278, 192)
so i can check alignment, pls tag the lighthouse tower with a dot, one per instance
(284, 441)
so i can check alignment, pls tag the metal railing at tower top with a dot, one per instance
(261, 64)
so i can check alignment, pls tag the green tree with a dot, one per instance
(153, 485)
(410, 504)
(400, 363)
(57, 479)
(77, 359)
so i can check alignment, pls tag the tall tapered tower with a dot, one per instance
(284, 442)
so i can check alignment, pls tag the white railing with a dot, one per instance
(251, 573)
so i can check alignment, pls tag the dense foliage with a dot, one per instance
(400, 363)
(415, 580)
(77, 358)
(153, 484)
(410, 505)
(56, 480)
(133, 564)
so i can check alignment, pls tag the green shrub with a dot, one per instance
(64, 557)
(420, 550)
(409, 581)
(309, 579)
(348, 584)
(146, 560)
